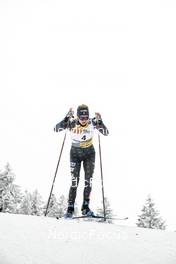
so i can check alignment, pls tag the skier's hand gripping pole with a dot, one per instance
(70, 113)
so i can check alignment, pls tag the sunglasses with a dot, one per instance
(83, 118)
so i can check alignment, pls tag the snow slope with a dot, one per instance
(43, 240)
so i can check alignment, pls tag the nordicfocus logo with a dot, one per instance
(91, 234)
(75, 182)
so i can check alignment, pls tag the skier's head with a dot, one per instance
(83, 114)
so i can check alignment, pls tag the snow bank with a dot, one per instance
(42, 240)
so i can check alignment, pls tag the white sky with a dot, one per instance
(118, 57)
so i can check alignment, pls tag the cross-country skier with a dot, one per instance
(82, 150)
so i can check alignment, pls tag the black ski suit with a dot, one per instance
(81, 151)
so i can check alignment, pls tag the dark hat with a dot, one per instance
(82, 110)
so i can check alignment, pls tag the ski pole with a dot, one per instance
(55, 173)
(102, 184)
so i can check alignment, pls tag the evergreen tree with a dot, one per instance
(150, 216)
(36, 203)
(26, 204)
(10, 193)
(108, 210)
(53, 208)
(62, 206)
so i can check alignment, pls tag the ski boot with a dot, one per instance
(70, 211)
(86, 210)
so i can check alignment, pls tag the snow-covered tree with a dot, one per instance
(26, 204)
(108, 210)
(53, 208)
(150, 216)
(10, 193)
(62, 205)
(36, 203)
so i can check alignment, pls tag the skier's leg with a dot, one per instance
(89, 165)
(75, 171)
(75, 165)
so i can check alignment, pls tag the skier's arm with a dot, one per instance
(65, 123)
(99, 125)
(62, 125)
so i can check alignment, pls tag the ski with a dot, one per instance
(97, 217)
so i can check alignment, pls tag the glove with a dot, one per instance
(70, 113)
(98, 118)
(64, 122)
